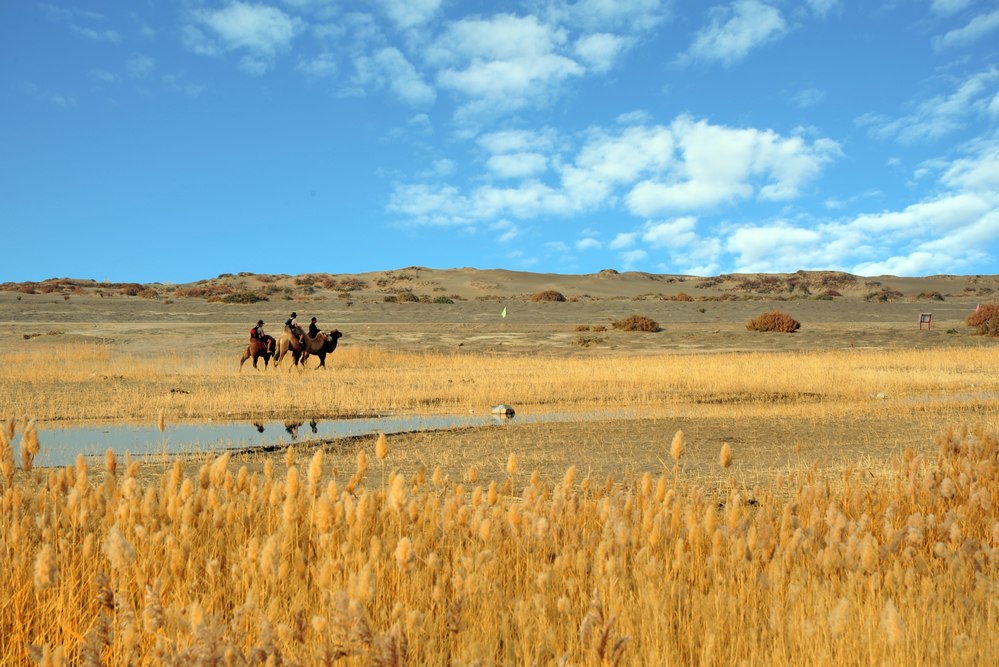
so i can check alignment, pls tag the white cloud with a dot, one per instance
(736, 30)
(719, 164)
(516, 141)
(409, 13)
(600, 50)
(506, 230)
(623, 240)
(517, 165)
(630, 258)
(388, 68)
(939, 115)
(808, 97)
(588, 243)
(977, 28)
(501, 64)
(321, 66)
(97, 35)
(590, 15)
(754, 247)
(823, 7)
(947, 7)
(260, 31)
(678, 232)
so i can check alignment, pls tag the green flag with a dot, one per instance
(503, 314)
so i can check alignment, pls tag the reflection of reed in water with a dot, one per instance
(314, 425)
(258, 426)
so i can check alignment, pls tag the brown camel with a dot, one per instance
(259, 348)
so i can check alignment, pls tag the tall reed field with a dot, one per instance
(92, 382)
(304, 563)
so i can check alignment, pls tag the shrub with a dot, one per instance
(929, 296)
(547, 295)
(682, 296)
(636, 323)
(773, 320)
(885, 295)
(406, 297)
(443, 299)
(985, 319)
(243, 297)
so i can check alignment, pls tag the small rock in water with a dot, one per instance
(502, 410)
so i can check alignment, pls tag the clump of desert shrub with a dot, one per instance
(682, 296)
(985, 319)
(202, 291)
(403, 297)
(774, 320)
(884, 295)
(443, 299)
(586, 341)
(583, 327)
(929, 296)
(243, 297)
(636, 323)
(599, 327)
(547, 295)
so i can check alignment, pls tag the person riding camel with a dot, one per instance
(292, 325)
(313, 329)
(257, 332)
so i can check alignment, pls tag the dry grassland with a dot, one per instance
(756, 508)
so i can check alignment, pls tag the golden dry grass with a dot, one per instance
(230, 567)
(617, 542)
(62, 384)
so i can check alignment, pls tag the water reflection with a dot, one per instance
(61, 445)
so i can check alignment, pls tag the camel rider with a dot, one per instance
(313, 329)
(257, 332)
(292, 325)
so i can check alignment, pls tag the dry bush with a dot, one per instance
(884, 295)
(636, 323)
(682, 296)
(547, 295)
(985, 319)
(774, 320)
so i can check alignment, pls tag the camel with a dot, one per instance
(259, 348)
(323, 344)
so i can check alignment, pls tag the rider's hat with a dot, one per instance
(294, 314)
(313, 319)
(260, 323)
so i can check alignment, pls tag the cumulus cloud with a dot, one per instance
(409, 13)
(736, 30)
(389, 69)
(718, 164)
(260, 32)
(686, 166)
(502, 63)
(600, 50)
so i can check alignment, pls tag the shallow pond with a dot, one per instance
(60, 446)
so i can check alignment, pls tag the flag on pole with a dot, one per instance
(503, 314)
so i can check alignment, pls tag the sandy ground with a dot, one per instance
(365, 308)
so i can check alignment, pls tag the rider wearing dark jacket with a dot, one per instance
(313, 329)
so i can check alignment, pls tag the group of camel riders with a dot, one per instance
(291, 323)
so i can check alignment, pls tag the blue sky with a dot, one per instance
(174, 141)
